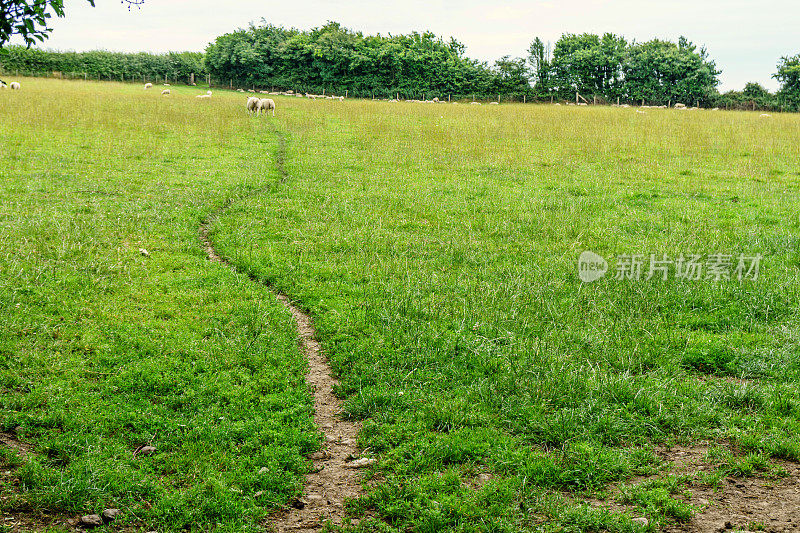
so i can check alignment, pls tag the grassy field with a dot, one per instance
(437, 247)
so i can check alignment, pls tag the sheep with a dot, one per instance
(680, 106)
(208, 93)
(203, 96)
(475, 103)
(251, 90)
(494, 103)
(761, 115)
(239, 90)
(167, 85)
(252, 104)
(148, 86)
(436, 99)
(14, 86)
(265, 104)
(165, 92)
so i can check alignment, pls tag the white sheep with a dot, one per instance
(680, 106)
(475, 103)
(203, 96)
(167, 85)
(265, 104)
(761, 115)
(208, 93)
(148, 86)
(252, 105)
(494, 103)
(15, 86)
(165, 92)
(436, 99)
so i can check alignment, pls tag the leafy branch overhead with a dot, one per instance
(30, 19)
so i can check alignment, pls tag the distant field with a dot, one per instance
(436, 246)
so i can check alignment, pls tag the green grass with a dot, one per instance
(436, 246)
(104, 349)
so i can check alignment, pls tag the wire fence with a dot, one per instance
(718, 101)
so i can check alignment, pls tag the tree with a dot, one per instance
(661, 71)
(30, 18)
(540, 58)
(511, 76)
(589, 64)
(789, 76)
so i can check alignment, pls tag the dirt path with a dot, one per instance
(335, 474)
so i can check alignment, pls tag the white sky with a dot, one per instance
(745, 38)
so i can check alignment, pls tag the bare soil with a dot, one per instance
(759, 503)
(335, 474)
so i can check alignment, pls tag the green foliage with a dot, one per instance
(754, 96)
(101, 64)
(28, 19)
(789, 76)
(589, 64)
(336, 59)
(608, 67)
(661, 72)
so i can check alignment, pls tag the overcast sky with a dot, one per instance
(745, 38)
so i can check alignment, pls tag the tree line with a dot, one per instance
(604, 68)
(104, 65)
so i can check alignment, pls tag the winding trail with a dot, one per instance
(334, 476)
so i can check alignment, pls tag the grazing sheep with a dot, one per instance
(251, 90)
(167, 85)
(475, 103)
(715, 109)
(203, 96)
(761, 115)
(680, 106)
(252, 105)
(165, 92)
(239, 90)
(208, 93)
(148, 85)
(265, 104)
(436, 99)
(14, 86)
(494, 103)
